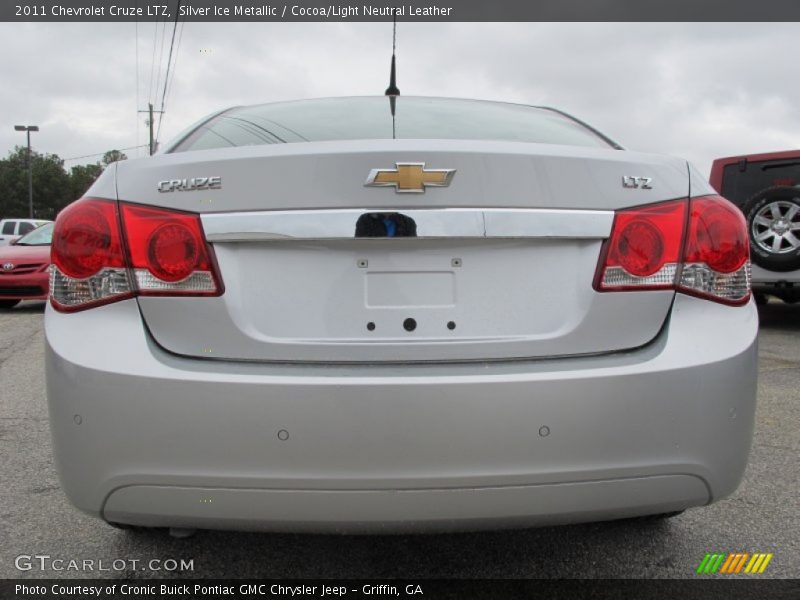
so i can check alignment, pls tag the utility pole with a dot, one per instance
(150, 112)
(27, 129)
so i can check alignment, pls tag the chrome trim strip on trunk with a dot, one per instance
(433, 223)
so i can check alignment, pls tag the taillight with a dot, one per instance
(716, 261)
(100, 255)
(168, 252)
(644, 249)
(697, 247)
(89, 266)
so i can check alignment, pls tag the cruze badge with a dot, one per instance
(410, 178)
(194, 184)
(645, 183)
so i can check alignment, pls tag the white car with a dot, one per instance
(13, 229)
(330, 316)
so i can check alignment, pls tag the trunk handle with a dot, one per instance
(432, 223)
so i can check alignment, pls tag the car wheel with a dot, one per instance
(6, 304)
(773, 222)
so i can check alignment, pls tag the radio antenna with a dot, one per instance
(393, 91)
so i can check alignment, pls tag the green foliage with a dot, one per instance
(113, 156)
(53, 187)
(82, 177)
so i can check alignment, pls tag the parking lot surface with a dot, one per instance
(762, 516)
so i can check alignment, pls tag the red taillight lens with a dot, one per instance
(646, 250)
(88, 257)
(162, 252)
(86, 239)
(639, 249)
(173, 252)
(717, 235)
(168, 252)
(716, 261)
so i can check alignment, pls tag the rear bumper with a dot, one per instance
(144, 437)
(439, 509)
(31, 286)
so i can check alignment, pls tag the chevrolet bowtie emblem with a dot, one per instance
(410, 178)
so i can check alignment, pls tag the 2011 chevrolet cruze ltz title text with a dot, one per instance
(385, 314)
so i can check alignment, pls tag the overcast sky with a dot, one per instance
(699, 91)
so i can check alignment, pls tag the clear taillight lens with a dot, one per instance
(101, 256)
(647, 250)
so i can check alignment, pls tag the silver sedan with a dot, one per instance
(372, 314)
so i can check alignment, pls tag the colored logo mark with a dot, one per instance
(733, 563)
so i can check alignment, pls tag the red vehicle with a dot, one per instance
(766, 187)
(25, 268)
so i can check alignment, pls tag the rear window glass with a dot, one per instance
(370, 118)
(8, 227)
(42, 236)
(743, 180)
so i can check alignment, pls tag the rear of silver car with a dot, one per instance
(499, 367)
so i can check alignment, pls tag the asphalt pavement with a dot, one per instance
(37, 520)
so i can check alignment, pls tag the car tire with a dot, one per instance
(761, 299)
(773, 225)
(7, 304)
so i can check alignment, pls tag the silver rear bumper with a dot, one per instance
(164, 440)
(402, 510)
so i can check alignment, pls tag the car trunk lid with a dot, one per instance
(500, 265)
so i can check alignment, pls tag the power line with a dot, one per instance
(153, 61)
(152, 94)
(169, 57)
(160, 61)
(168, 89)
(103, 153)
(136, 34)
(177, 56)
(169, 63)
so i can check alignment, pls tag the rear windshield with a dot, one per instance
(370, 118)
(42, 236)
(742, 180)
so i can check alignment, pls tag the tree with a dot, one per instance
(113, 156)
(81, 177)
(51, 184)
(53, 187)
